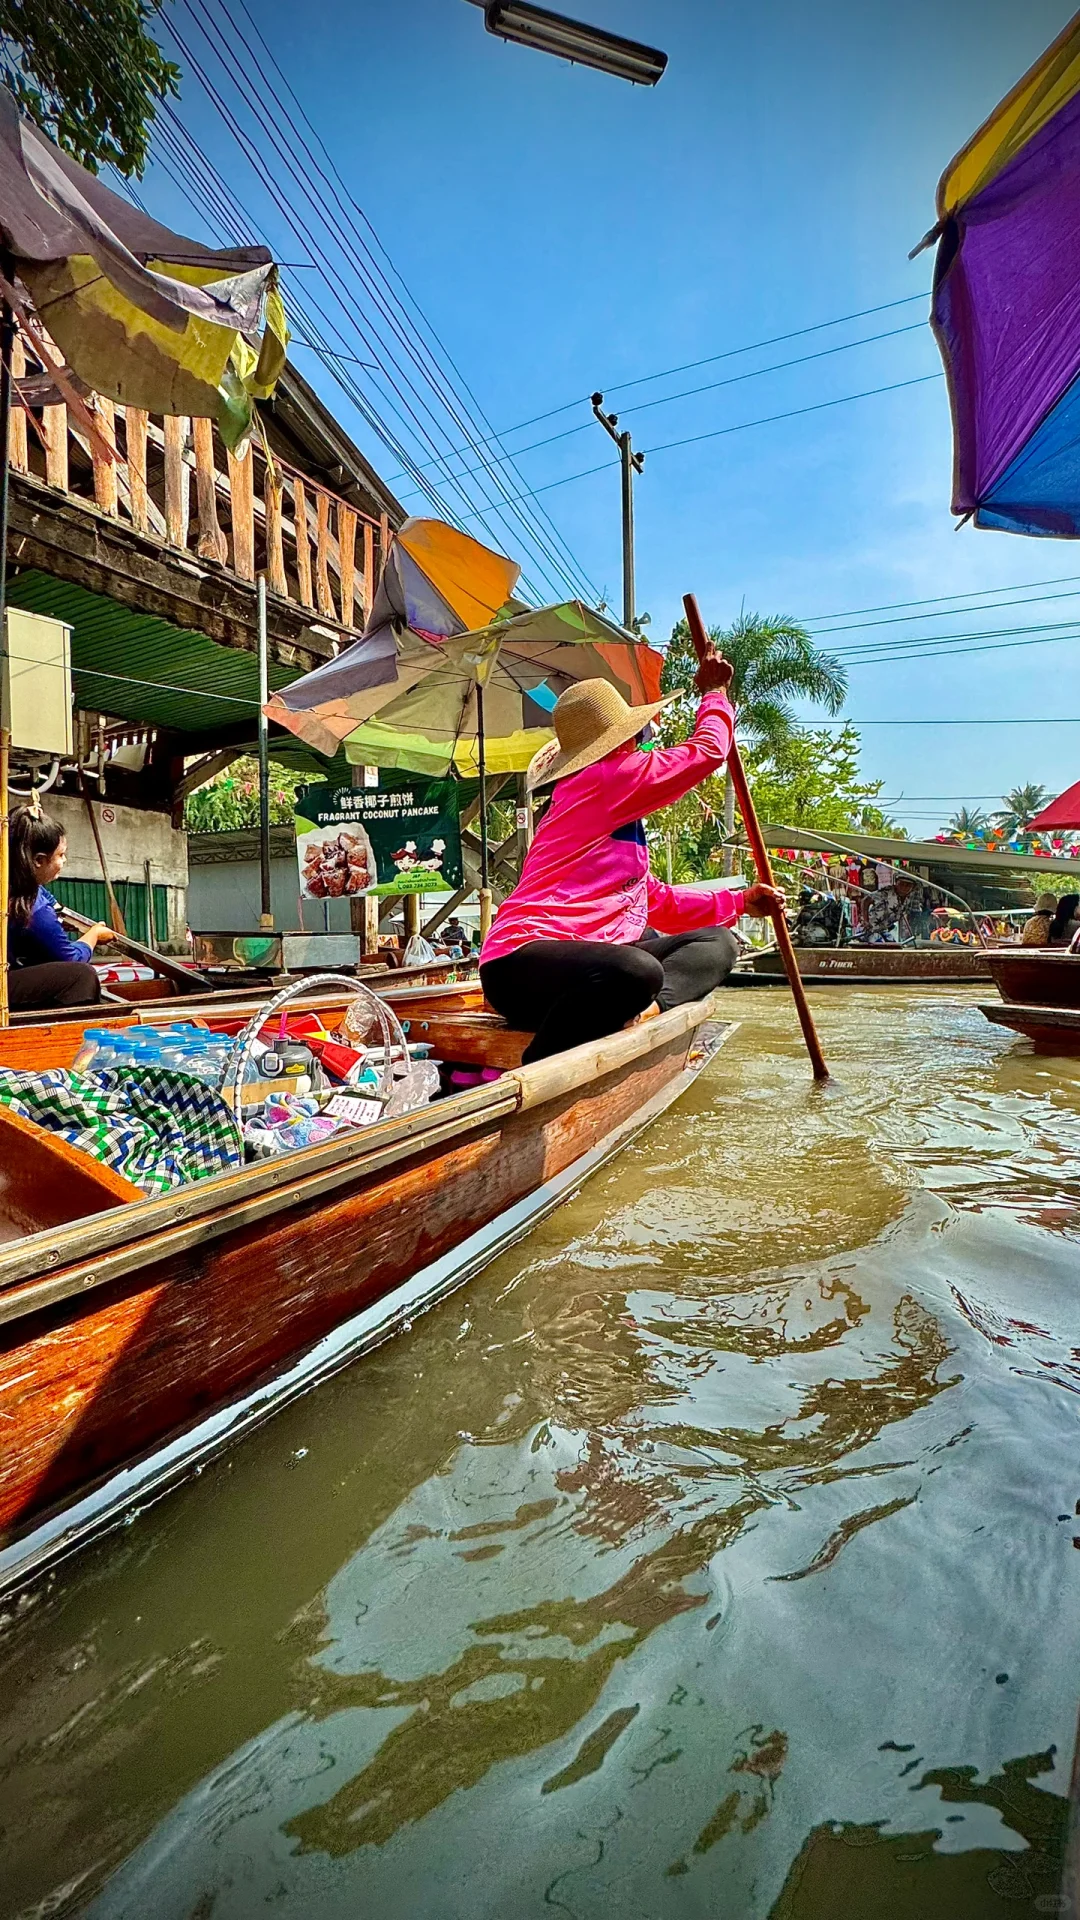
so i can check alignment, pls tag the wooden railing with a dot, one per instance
(250, 514)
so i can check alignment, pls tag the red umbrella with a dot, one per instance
(1062, 812)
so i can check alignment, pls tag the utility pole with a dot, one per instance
(631, 463)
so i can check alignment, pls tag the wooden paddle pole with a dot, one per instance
(703, 647)
(481, 764)
(115, 915)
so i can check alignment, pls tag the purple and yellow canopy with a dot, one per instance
(1006, 309)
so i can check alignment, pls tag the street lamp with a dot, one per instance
(573, 40)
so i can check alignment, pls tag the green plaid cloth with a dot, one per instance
(157, 1128)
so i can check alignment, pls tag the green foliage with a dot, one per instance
(809, 779)
(89, 73)
(968, 824)
(229, 803)
(775, 661)
(1018, 810)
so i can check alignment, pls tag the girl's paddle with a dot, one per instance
(703, 647)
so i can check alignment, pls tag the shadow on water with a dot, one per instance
(708, 1553)
(863, 1873)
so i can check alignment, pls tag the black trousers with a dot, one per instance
(58, 983)
(566, 992)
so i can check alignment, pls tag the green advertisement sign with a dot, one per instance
(401, 836)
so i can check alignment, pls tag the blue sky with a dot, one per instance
(564, 231)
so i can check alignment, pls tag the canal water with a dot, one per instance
(712, 1554)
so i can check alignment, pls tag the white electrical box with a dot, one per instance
(37, 682)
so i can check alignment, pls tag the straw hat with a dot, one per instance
(1046, 903)
(590, 719)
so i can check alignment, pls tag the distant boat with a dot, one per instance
(879, 966)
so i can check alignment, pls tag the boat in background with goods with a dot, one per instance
(876, 966)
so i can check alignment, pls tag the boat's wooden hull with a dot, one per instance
(1050, 1029)
(1036, 977)
(869, 966)
(121, 1332)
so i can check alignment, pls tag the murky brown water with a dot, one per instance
(711, 1555)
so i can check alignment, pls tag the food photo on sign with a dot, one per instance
(402, 836)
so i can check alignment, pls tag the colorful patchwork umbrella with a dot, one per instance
(1006, 308)
(450, 668)
(450, 671)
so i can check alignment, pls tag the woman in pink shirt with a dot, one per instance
(589, 937)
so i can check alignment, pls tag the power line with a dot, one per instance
(391, 366)
(367, 412)
(911, 648)
(298, 311)
(689, 393)
(729, 353)
(421, 316)
(946, 613)
(397, 351)
(743, 426)
(974, 593)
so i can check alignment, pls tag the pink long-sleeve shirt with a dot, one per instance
(586, 875)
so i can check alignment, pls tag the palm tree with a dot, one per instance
(967, 825)
(1019, 809)
(775, 661)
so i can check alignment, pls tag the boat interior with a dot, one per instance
(45, 1182)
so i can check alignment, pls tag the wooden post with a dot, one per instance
(105, 491)
(322, 556)
(369, 567)
(138, 421)
(346, 539)
(275, 551)
(54, 426)
(364, 920)
(384, 544)
(17, 450)
(412, 916)
(303, 542)
(704, 649)
(212, 542)
(242, 491)
(177, 480)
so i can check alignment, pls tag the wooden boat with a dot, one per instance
(1051, 1029)
(138, 1336)
(877, 966)
(175, 979)
(1036, 976)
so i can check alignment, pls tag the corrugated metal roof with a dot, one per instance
(140, 668)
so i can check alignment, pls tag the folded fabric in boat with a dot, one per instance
(157, 1128)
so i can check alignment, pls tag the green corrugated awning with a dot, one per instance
(136, 667)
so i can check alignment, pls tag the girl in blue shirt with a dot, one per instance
(45, 968)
